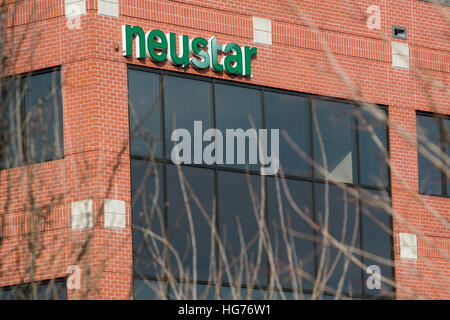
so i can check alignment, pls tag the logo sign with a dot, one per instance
(183, 51)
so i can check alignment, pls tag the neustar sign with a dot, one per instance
(159, 47)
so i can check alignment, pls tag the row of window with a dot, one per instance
(161, 102)
(31, 126)
(158, 100)
(348, 219)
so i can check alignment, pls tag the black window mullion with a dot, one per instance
(164, 178)
(357, 113)
(215, 215)
(313, 187)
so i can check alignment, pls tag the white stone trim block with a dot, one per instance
(262, 31)
(408, 246)
(74, 8)
(108, 8)
(115, 213)
(81, 214)
(400, 55)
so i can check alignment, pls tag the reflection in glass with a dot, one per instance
(290, 232)
(343, 224)
(289, 113)
(238, 108)
(430, 179)
(237, 220)
(186, 101)
(373, 167)
(145, 113)
(202, 183)
(147, 218)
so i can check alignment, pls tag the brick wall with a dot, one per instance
(95, 111)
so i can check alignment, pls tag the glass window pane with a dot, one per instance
(343, 224)
(150, 290)
(186, 101)
(145, 113)
(16, 292)
(147, 217)
(202, 183)
(289, 113)
(373, 167)
(290, 232)
(185, 291)
(238, 108)
(50, 290)
(43, 110)
(376, 228)
(335, 122)
(237, 220)
(10, 126)
(430, 179)
(446, 136)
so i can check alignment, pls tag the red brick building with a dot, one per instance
(317, 49)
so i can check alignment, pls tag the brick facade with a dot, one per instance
(96, 130)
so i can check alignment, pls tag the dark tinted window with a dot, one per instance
(446, 138)
(237, 108)
(43, 122)
(238, 220)
(377, 242)
(11, 143)
(198, 183)
(428, 134)
(225, 187)
(31, 130)
(148, 217)
(291, 232)
(45, 290)
(337, 211)
(289, 113)
(334, 140)
(145, 113)
(186, 101)
(373, 167)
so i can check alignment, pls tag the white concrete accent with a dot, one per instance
(115, 213)
(81, 214)
(408, 246)
(400, 55)
(108, 8)
(262, 31)
(74, 8)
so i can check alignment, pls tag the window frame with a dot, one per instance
(26, 286)
(441, 118)
(21, 80)
(312, 178)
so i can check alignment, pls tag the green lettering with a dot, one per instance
(249, 53)
(214, 49)
(196, 48)
(182, 58)
(233, 61)
(160, 44)
(128, 33)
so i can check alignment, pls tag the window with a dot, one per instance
(31, 130)
(54, 289)
(433, 141)
(441, 2)
(174, 211)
